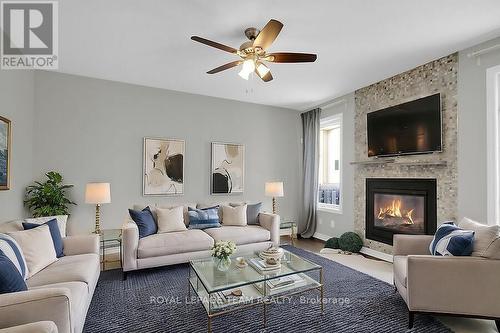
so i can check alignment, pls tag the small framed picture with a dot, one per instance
(163, 171)
(5, 153)
(228, 168)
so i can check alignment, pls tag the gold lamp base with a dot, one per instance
(97, 220)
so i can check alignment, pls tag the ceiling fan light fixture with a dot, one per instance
(247, 68)
(262, 69)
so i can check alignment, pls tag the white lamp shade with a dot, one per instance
(274, 189)
(97, 193)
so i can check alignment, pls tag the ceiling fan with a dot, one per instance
(253, 52)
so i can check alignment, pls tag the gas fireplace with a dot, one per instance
(400, 206)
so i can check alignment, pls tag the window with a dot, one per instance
(330, 163)
(493, 144)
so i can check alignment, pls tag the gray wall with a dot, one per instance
(16, 96)
(472, 155)
(92, 130)
(332, 224)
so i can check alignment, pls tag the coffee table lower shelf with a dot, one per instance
(252, 296)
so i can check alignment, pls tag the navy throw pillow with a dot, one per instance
(11, 280)
(145, 221)
(204, 218)
(451, 240)
(55, 233)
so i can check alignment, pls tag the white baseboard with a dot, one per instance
(322, 237)
(376, 254)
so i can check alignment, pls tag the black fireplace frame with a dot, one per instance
(426, 187)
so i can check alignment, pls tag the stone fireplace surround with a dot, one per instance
(439, 76)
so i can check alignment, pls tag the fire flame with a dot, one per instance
(394, 210)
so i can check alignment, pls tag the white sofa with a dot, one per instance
(179, 247)
(61, 292)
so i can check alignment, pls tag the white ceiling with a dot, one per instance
(358, 42)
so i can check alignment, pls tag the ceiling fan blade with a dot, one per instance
(268, 34)
(224, 67)
(266, 78)
(291, 57)
(214, 44)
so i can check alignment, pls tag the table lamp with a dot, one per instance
(97, 194)
(274, 190)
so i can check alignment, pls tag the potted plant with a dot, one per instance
(48, 198)
(223, 250)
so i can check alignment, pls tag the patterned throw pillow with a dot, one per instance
(12, 250)
(204, 218)
(10, 279)
(450, 240)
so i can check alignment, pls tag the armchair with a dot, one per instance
(456, 286)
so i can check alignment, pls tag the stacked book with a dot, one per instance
(277, 285)
(262, 266)
(227, 297)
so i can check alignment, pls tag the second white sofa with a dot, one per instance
(179, 247)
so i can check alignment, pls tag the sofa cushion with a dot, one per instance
(253, 211)
(400, 265)
(11, 280)
(55, 233)
(173, 243)
(234, 215)
(37, 247)
(170, 219)
(62, 221)
(240, 235)
(81, 268)
(13, 251)
(451, 240)
(78, 299)
(203, 218)
(145, 221)
(486, 238)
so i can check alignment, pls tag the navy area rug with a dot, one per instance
(154, 300)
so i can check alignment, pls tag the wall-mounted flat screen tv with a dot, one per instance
(409, 128)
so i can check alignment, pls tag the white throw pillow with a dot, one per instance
(234, 215)
(170, 220)
(61, 222)
(486, 238)
(37, 246)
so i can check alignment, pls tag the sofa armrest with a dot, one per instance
(130, 243)
(271, 222)
(456, 285)
(47, 304)
(405, 245)
(38, 327)
(81, 244)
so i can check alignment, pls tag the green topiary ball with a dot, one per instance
(350, 241)
(332, 243)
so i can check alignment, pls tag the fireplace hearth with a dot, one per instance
(400, 206)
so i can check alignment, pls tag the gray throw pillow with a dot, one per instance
(253, 211)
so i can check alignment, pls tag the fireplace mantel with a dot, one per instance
(398, 162)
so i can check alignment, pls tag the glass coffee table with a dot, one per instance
(222, 292)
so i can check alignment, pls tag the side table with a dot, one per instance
(110, 238)
(292, 226)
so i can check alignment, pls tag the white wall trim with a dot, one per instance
(364, 249)
(322, 237)
(377, 254)
(492, 144)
